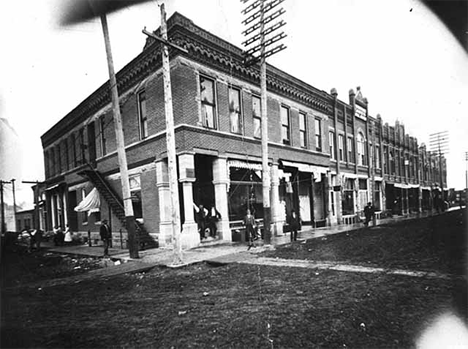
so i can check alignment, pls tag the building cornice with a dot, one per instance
(203, 47)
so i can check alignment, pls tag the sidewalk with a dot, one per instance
(165, 256)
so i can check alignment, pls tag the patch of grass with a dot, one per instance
(434, 244)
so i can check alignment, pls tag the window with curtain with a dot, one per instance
(208, 102)
(235, 116)
(257, 116)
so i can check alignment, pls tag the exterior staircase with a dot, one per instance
(117, 207)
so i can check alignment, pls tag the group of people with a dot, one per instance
(62, 237)
(206, 221)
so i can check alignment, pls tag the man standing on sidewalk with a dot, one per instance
(369, 212)
(106, 236)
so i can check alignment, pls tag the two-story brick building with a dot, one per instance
(319, 147)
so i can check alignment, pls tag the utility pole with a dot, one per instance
(2, 228)
(170, 134)
(83, 10)
(466, 179)
(130, 223)
(14, 201)
(438, 142)
(373, 166)
(261, 18)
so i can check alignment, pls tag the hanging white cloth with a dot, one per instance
(91, 202)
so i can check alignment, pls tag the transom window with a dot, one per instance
(208, 104)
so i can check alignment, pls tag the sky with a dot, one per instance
(407, 63)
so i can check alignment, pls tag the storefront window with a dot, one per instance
(348, 197)
(245, 191)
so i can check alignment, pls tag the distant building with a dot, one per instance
(24, 220)
(320, 148)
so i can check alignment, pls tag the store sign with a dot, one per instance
(360, 113)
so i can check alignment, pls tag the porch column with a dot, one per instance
(221, 182)
(164, 195)
(189, 237)
(276, 221)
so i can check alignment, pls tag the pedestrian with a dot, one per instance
(68, 235)
(293, 222)
(369, 212)
(106, 236)
(58, 236)
(213, 217)
(249, 222)
(200, 217)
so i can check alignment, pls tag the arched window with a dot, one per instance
(361, 149)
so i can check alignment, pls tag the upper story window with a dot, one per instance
(142, 115)
(361, 150)
(341, 147)
(331, 141)
(350, 150)
(285, 129)
(384, 159)
(302, 130)
(257, 116)
(66, 154)
(318, 134)
(102, 127)
(377, 156)
(208, 104)
(391, 159)
(59, 159)
(82, 146)
(72, 151)
(235, 115)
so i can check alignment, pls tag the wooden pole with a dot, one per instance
(2, 228)
(170, 143)
(127, 200)
(14, 202)
(264, 129)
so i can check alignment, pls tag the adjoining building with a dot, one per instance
(319, 148)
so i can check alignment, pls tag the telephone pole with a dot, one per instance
(170, 134)
(82, 10)
(438, 142)
(130, 223)
(262, 38)
(2, 203)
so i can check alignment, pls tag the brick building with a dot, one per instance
(320, 163)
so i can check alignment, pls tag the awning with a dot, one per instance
(306, 167)
(400, 185)
(52, 187)
(91, 202)
(244, 164)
